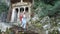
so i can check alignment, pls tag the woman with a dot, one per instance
(24, 21)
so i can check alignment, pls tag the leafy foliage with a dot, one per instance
(3, 7)
(47, 7)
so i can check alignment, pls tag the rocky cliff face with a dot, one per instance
(3, 17)
(4, 4)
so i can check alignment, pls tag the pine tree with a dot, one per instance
(46, 7)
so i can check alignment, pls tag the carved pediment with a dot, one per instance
(15, 1)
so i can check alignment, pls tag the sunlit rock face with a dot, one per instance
(46, 26)
(35, 18)
(45, 20)
(3, 26)
(3, 17)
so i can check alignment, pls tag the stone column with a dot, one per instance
(18, 19)
(12, 17)
(21, 1)
(29, 11)
(18, 15)
(24, 9)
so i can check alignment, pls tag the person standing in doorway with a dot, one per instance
(21, 16)
(24, 21)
